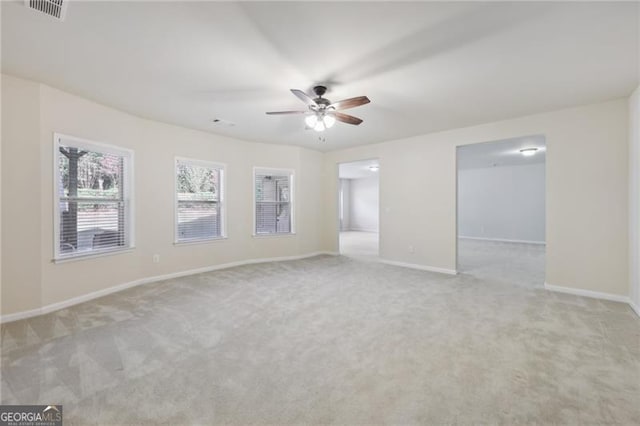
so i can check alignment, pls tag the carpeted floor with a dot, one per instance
(359, 244)
(518, 264)
(330, 340)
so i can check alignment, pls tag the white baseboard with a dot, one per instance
(104, 292)
(21, 315)
(100, 293)
(588, 293)
(419, 267)
(594, 295)
(362, 230)
(502, 240)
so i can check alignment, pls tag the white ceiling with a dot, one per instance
(425, 66)
(357, 169)
(501, 153)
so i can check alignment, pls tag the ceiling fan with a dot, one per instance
(321, 113)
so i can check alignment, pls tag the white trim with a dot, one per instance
(276, 235)
(375, 231)
(92, 255)
(91, 145)
(200, 241)
(104, 292)
(56, 196)
(588, 293)
(503, 240)
(128, 186)
(222, 173)
(419, 267)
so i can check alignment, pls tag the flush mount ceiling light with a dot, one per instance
(321, 113)
(374, 168)
(528, 152)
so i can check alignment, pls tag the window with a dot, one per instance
(92, 197)
(273, 194)
(199, 200)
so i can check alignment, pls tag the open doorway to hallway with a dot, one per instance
(358, 208)
(501, 210)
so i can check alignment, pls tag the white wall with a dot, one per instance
(502, 203)
(364, 204)
(21, 192)
(32, 112)
(634, 198)
(1, 120)
(345, 214)
(586, 210)
(587, 207)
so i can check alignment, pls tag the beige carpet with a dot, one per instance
(330, 340)
(359, 244)
(516, 263)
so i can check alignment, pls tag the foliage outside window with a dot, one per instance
(199, 200)
(91, 198)
(273, 201)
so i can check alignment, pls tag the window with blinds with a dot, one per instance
(273, 201)
(199, 200)
(92, 198)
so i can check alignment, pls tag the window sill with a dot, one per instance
(197, 242)
(289, 234)
(78, 257)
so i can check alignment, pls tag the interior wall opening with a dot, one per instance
(358, 208)
(501, 197)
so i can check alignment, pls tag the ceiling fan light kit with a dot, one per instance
(321, 113)
(320, 122)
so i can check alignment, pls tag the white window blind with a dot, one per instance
(273, 201)
(199, 200)
(92, 198)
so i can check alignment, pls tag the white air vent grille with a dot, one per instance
(55, 8)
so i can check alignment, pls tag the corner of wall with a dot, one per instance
(634, 197)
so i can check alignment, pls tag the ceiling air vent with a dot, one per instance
(222, 122)
(55, 8)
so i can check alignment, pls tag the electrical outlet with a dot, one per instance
(156, 258)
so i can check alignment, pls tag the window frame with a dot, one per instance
(128, 157)
(292, 201)
(222, 168)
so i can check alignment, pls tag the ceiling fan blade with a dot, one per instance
(286, 112)
(346, 118)
(304, 97)
(350, 103)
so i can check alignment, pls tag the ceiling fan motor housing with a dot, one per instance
(320, 90)
(322, 102)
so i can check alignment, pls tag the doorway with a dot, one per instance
(358, 209)
(501, 222)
